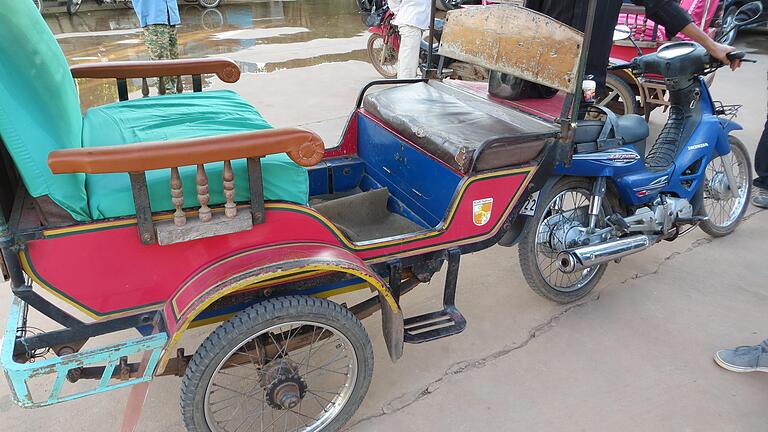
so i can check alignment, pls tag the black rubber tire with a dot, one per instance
(209, 3)
(718, 231)
(38, 4)
(625, 91)
(258, 318)
(526, 249)
(375, 61)
(73, 6)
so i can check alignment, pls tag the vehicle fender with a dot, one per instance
(260, 267)
(376, 30)
(520, 225)
(723, 146)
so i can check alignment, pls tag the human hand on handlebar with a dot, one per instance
(715, 49)
(720, 52)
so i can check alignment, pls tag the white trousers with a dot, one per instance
(408, 56)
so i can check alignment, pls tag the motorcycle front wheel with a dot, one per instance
(560, 213)
(383, 56)
(725, 206)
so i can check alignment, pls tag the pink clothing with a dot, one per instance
(642, 28)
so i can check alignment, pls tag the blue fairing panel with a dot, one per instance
(421, 183)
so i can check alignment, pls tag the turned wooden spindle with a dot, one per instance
(144, 88)
(179, 85)
(230, 209)
(202, 194)
(177, 196)
(161, 85)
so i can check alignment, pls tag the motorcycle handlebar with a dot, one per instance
(736, 55)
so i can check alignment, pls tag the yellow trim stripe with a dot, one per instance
(380, 287)
(324, 294)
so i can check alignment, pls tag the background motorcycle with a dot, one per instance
(735, 12)
(384, 44)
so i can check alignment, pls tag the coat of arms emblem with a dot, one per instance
(481, 211)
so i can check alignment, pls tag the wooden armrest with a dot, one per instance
(632, 9)
(225, 69)
(303, 147)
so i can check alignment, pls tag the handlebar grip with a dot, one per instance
(735, 55)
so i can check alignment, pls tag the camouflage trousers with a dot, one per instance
(162, 43)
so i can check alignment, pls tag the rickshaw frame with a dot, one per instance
(389, 276)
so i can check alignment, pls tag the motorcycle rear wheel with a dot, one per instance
(725, 212)
(383, 56)
(539, 247)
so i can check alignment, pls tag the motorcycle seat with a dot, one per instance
(462, 130)
(632, 128)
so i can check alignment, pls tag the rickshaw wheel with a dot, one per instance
(619, 98)
(291, 363)
(560, 213)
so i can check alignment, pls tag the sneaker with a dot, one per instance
(744, 358)
(760, 197)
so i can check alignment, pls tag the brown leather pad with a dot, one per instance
(226, 69)
(460, 129)
(303, 147)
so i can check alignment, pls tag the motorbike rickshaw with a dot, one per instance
(154, 215)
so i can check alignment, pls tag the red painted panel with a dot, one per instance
(109, 270)
(270, 259)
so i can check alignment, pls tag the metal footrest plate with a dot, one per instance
(434, 325)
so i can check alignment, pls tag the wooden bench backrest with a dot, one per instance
(516, 41)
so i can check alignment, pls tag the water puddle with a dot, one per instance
(262, 37)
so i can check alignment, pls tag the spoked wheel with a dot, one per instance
(73, 6)
(724, 207)
(287, 364)
(619, 97)
(383, 56)
(560, 218)
(209, 3)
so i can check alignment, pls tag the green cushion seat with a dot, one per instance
(183, 116)
(40, 113)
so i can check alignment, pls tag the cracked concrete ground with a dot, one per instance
(635, 355)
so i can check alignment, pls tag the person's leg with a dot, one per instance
(744, 358)
(760, 191)
(152, 38)
(157, 39)
(173, 54)
(408, 56)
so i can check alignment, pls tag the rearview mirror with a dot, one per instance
(621, 32)
(748, 13)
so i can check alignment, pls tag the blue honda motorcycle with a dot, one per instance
(613, 200)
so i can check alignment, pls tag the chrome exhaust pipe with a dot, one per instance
(580, 258)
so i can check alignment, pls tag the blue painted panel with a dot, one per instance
(318, 179)
(415, 179)
(347, 173)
